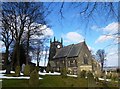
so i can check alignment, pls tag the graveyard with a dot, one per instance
(55, 80)
(43, 46)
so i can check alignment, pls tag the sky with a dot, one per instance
(74, 29)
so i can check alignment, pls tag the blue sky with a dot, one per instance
(74, 29)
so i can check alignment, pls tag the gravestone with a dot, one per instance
(23, 67)
(8, 69)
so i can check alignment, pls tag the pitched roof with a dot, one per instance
(75, 50)
(69, 51)
(63, 52)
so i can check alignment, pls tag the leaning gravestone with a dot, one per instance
(26, 70)
(91, 81)
(17, 71)
(34, 79)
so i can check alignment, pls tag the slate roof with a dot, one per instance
(69, 51)
(75, 50)
(63, 52)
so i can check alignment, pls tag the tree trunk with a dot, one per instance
(6, 56)
(45, 59)
(101, 66)
(38, 59)
(37, 63)
(7, 63)
(13, 58)
(28, 39)
(18, 53)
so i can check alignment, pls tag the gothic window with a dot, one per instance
(85, 59)
(73, 63)
(69, 63)
(57, 63)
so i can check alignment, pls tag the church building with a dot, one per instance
(74, 57)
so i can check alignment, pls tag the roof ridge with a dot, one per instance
(81, 47)
(78, 46)
(69, 45)
(79, 43)
(69, 50)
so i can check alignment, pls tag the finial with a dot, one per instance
(54, 38)
(50, 40)
(61, 40)
(84, 40)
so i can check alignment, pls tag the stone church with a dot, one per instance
(74, 57)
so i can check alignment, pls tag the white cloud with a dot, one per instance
(112, 56)
(1, 44)
(47, 32)
(73, 37)
(95, 28)
(111, 28)
(103, 38)
(109, 32)
(2, 47)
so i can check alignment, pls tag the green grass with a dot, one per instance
(55, 81)
(58, 81)
(15, 83)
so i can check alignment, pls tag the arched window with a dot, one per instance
(85, 59)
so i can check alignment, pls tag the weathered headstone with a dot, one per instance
(34, 79)
(17, 71)
(23, 67)
(27, 70)
(8, 69)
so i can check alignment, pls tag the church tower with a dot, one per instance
(54, 47)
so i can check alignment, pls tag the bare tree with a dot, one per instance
(101, 57)
(6, 36)
(88, 11)
(39, 52)
(38, 46)
(21, 16)
(46, 54)
(33, 30)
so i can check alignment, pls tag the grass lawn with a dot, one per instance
(58, 81)
(55, 81)
(15, 83)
